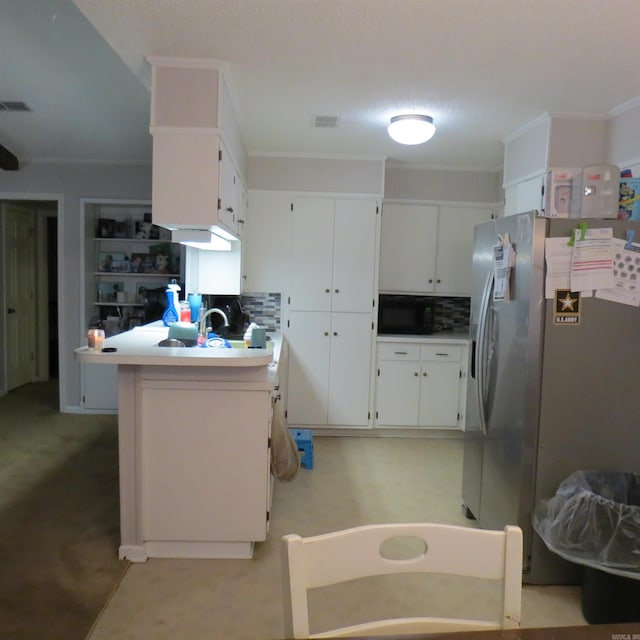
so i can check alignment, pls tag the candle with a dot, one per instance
(95, 339)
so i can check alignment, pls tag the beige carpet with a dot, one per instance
(59, 516)
(355, 481)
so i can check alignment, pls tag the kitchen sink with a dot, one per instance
(235, 344)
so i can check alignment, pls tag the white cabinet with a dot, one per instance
(421, 384)
(330, 311)
(329, 368)
(266, 242)
(195, 183)
(333, 248)
(428, 249)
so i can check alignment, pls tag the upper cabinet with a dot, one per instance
(428, 249)
(198, 155)
(333, 252)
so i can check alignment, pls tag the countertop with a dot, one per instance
(455, 337)
(139, 347)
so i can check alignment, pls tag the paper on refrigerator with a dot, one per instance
(592, 260)
(626, 273)
(558, 254)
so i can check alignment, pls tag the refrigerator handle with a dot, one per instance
(480, 351)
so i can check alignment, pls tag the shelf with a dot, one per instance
(137, 240)
(118, 304)
(130, 274)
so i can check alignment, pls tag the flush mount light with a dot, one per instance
(411, 128)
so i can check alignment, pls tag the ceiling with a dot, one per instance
(481, 68)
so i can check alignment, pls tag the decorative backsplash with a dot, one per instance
(452, 314)
(263, 309)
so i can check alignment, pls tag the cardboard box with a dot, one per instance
(629, 202)
(562, 197)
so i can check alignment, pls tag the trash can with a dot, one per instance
(594, 520)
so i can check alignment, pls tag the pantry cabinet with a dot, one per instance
(329, 368)
(427, 248)
(330, 323)
(421, 384)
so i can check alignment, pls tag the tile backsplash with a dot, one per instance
(452, 313)
(263, 309)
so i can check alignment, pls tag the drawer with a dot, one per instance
(441, 352)
(398, 351)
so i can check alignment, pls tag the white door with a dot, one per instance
(229, 191)
(20, 294)
(398, 393)
(455, 248)
(354, 247)
(309, 340)
(408, 239)
(311, 254)
(439, 394)
(350, 369)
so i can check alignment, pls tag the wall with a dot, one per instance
(623, 135)
(71, 183)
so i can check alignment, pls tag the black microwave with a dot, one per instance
(402, 314)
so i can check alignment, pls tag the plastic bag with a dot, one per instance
(594, 520)
(285, 460)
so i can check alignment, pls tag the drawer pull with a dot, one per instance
(442, 354)
(400, 353)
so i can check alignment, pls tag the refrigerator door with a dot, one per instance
(505, 380)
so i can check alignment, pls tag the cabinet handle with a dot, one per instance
(424, 373)
(240, 221)
(400, 353)
(416, 374)
(442, 354)
(430, 280)
(335, 333)
(438, 280)
(337, 290)
(326, 333)
(230, 209)
(10, 310)
(327, 290)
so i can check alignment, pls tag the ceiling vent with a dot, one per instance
(326, 122)
(12, 105)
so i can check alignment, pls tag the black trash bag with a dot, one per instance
(594, 520)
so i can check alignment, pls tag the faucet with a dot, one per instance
(203, 322)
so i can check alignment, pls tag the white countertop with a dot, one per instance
(453, 337)
(139, 347)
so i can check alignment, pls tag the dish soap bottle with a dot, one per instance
(172, 312)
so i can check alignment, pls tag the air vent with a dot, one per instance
(326, 122)
(12, 105)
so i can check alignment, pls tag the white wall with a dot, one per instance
(623, 135)
(71, 183)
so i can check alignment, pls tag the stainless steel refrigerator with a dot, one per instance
(544, 400)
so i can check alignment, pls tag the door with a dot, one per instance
(20, 294)
(398, 393)
(439, 394)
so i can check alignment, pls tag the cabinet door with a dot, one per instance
(408, 248)
(398, 393)
(266, 249)
(311, 254)
(455, 248)
(350, 369)
(439, 387)
(100, 387)
(354, 249)
(229, 193)
(308, 334)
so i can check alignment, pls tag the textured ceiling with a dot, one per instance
(481, 68)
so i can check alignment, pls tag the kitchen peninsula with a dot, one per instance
(194, 445)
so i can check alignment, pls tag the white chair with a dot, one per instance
(336, 557)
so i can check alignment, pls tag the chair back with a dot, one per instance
(349, 554)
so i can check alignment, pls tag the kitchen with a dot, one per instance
(270, 179)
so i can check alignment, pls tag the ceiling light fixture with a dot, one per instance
(411, 128)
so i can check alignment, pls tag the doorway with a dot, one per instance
(28, 280)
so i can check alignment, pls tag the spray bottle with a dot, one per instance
(172, 312)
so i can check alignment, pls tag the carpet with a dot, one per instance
(59, 516)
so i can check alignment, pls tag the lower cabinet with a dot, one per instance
(421, 384)
(329, 368)
(99, 388)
